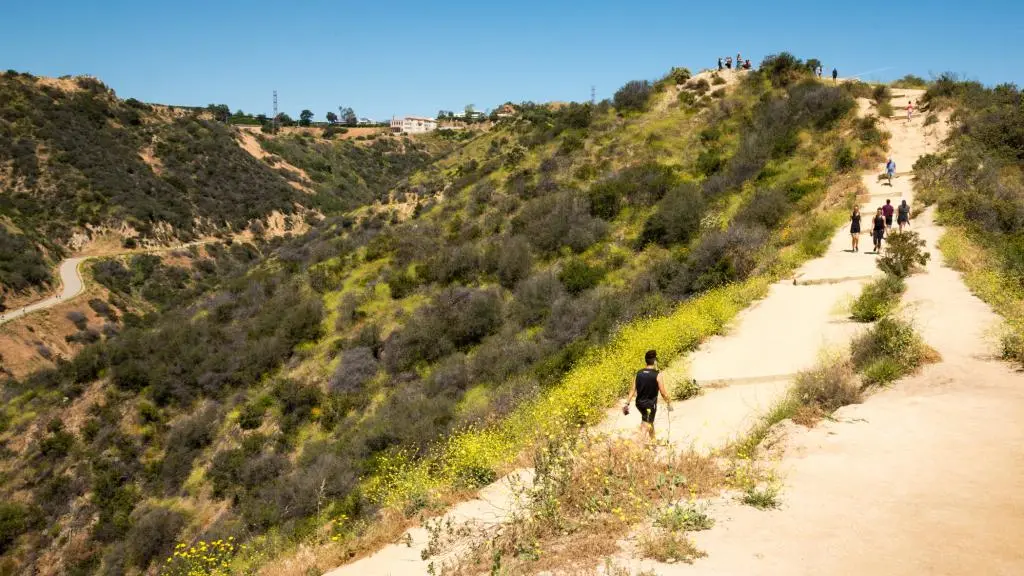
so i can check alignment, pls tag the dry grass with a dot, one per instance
(670, 547)
(586, 496)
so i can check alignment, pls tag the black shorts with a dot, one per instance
(647, 412)
(888, 220)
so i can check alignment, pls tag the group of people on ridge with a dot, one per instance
(881, 224)
(740, 62)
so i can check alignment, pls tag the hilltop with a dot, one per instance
(410, 345)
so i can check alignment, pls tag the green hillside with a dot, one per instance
(392, 357)
(75, 159)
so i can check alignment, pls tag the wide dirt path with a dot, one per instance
(745, 371)
(924, 477)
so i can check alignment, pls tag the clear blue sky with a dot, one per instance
(385, 57)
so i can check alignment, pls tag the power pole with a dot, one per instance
(273, 123)
(593, 92)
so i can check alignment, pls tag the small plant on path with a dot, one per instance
(765, 498)
(904, 253)
(670, 547)
(878, 298)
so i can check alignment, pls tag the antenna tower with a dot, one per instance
(273, 122)
(593, 99)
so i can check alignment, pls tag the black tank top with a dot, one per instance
(647, 387)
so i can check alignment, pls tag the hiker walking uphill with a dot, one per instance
(835, 76)
(855, 228)
(890, 170)
(878, 230)
(646, 389)
(903, 215)
(887, 211)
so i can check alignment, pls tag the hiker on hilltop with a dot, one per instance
(887, 210)
(890, 170)
(746, 64)
(649, 384)
(739, 60)
(878, 230)
(903, 215)
(728, 62)
(819, 71)
(719, 63)
(855, 228)
(835, 76)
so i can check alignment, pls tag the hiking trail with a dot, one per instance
(923, 477)
(775, 338)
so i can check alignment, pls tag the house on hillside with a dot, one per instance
(366, 122)
(413, 125)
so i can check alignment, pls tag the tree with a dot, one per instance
(285, 120)
(348, 116)
(332, 118)
(305, 118)
(220, 112)
(470, 110)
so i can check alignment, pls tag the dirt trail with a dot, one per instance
(925, 477)
(775, 338)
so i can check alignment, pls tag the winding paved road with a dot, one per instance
(73, 284)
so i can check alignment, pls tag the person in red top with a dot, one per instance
(887, 210)
(910, 110)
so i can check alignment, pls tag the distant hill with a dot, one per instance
(75, 160)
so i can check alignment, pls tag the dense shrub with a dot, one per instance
(783, 69)
(888, 351)
(726, 256)
(357, 367)
(904, 252)
(78, 319)
(455, 319)
(642, 184)
(878, 298)
(633, 96)
(767, 207)
(184, 441)
(830, 385)
(15, 520)
(559, 220)
(535, 296)
(677, 217)
(21, 263)
(153, 534)
(577, 276)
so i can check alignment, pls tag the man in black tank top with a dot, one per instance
(647, 387)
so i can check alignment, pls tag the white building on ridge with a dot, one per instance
(413, 125)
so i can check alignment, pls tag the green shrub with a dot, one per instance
(930, 119)
(903, 253)
(878, 298)
(889, 350)
(677, 217)
(679, 75)
(687, 98)
(700, 87)
(885, 109)
(578, 276)
(783, 69)
(633, 96)
(910, 81)
(684, 517)
(830, 385)
(15, 520)
(717, 80)
(685, 389)
(153, 534)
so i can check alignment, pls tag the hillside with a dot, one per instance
(77, 162)
(402, 353)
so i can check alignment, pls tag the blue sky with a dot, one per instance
(387, 57)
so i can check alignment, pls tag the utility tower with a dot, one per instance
(593, 92)
(273, 121)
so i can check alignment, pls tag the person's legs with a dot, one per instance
(647, 421)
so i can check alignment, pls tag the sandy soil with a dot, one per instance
(922, 478)
(247, 140)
